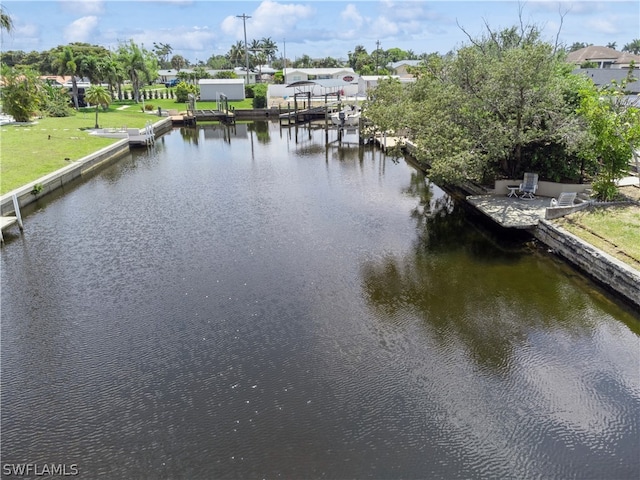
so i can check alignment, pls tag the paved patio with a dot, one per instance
(511, 212)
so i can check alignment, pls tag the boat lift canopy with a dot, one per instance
(329, 86)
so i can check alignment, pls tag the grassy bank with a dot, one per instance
(615, 230)
(29, 151)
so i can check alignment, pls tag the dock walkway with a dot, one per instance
(6, 222)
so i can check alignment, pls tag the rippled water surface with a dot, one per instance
(255, 303)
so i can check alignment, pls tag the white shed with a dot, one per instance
(210, 88)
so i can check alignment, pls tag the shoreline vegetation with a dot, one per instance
(32, 150)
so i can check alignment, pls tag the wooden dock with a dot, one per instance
(9, 220)
(193, 117)
(386, 142)
(304, 115)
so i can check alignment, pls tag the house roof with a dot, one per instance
(410, 63)
(325, 83)
(626, 58)
(377, 77)
(594, 52)
(604, 76)
(321, 71)
(220, 81)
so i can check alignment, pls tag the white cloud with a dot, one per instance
(86, 7)
(607, 25)
(351, 15)
(383, 27)
(268, 20)
(81, 30)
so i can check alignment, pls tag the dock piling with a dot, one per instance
(16, 207)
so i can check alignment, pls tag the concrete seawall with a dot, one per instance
(609, 271)
(75, 169)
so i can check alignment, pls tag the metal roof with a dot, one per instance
(324, 83)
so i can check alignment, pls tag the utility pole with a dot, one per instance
(284, 59)
(246, 51)
(377, 52)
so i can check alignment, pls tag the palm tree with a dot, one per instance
(236, 53)
(66, 63)
(162, 51)
(97, 95)
(304, 61)
(269, 48)
(91, 68)
(255, 47)
(6, 23)
(112, 74)
(133, 60)
(178, 62)
(633, 47)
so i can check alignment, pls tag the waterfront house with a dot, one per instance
(402, 67)
(604, 57)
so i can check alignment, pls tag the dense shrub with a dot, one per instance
(183, 90)
(259, 96)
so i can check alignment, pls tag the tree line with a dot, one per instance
(502, 104)
(506, 103)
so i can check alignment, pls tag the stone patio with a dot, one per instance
(511, 212)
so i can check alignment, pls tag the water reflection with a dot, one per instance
(300, 306)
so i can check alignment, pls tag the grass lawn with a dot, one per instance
(615, 230)
(29, 151)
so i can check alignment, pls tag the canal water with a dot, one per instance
(264, 302)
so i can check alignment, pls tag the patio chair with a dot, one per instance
(565, 199)
(529, 185)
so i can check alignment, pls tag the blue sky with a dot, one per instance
(197, 29)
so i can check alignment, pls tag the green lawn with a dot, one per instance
(27, 152)
(615, 230)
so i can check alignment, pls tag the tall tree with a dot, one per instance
(21, 92)
(113, 74)
(91, 68)
(632, 47)
(162, 51)
(499, 106)
(65, 64)
(135, 65)
(178, 62)
(615, 127)
(6, 22)
(305, 61)
(577, 46)
(269, 48)
(236, 54)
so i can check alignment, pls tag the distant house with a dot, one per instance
(402, 67)
(165, 76)
(605, 76)
(56, 80)
(604, 57)
(367, 82)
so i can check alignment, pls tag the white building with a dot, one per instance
(211, 88)
(346, 74)
(367, 82)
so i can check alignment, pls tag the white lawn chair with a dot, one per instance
(529, 185)
(565, 199)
